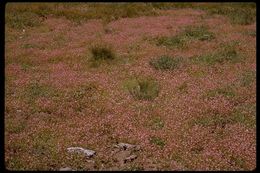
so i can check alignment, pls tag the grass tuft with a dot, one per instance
(101, 53)
(166, 63)
(157, 141)
(156, 123)
(174, 41)
(143, 88)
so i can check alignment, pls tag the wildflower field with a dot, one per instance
(176, 79)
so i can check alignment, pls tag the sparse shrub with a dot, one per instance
(248, 77)
(226, 53)
(225, 91)
(200, 33)
(251, 33)
(238, 13)
(166, 62)
(174, 41)
(190, 33)
(22, 20)
(214, 119)
(36, 90)
(143, 88)
(242, 15)
(15, 126)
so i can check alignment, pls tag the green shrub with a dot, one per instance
(102, 52)
(165, 62)
(143, 88)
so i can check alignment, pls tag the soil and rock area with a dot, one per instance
(169, 89)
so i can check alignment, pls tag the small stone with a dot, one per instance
(130, 158)
(127, 146)
(122, 155)
(90, 161)
(66, 169)
(87, 152)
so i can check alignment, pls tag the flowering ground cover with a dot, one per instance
(176, 79)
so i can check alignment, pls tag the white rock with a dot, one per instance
(66, 169)
(88, 153)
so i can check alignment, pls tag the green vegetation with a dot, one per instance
(250, 33)
(21, 20)
(212, 120)
(199, 33)
(44, 147)
(197, 149)
(85, 95)
(35, 90)
(15, 126)
(156, 123)
(174, 41)
(143, 88)
(15, 163)
(21, 15)
(88, 109)
(245, 114)
(246, 11)
(101, 53)
(166, 62)
(238, 161)
(240, 115)
(190, 33)
(183, 87)
(247, 78)
(226, 53)
(157, 141)
(225, 91)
